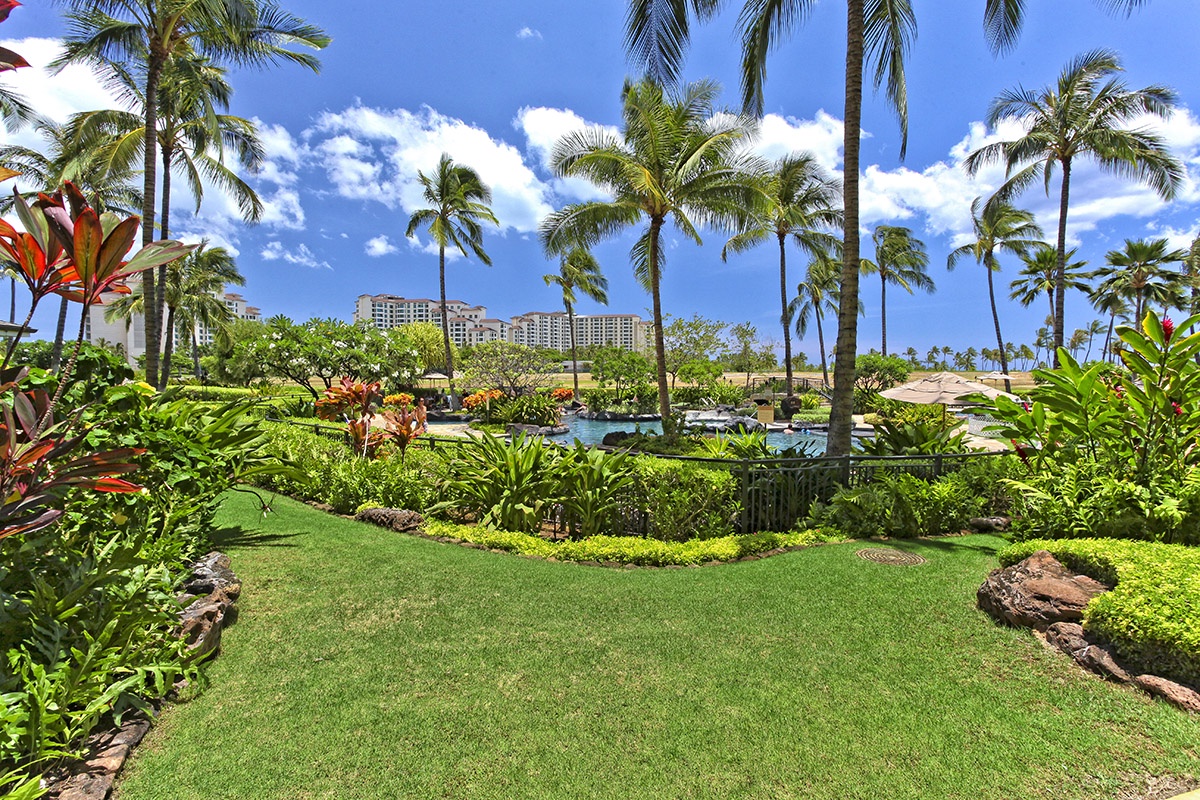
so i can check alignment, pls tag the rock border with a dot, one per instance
(213, 589)
(1042, 594)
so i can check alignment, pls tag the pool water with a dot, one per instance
(592, 431)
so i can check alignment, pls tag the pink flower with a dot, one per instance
(1178, 410)
(1168, 328)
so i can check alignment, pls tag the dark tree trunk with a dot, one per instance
(840, 422)
(59, 333)
(446, 329)
(574, 355)
(883, 312)
(160, 291)
(195, 353)
(1060, 276)
(996, 322)
(150, 163)
(168, 348)
(12, 300)
(660, 350)
(783, 318)
(821, 344)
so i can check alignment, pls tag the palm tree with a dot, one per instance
(1040, 275)
(900, 259)
(1002, 19)
(109, 34)
(458, 201)
(675, 160)
(657, 33)
(815, 295)
(799, 200)
(1086, 114)
(1138, 273)
(193, 137)
(998, 226)
(578, 270)
(1191, 275)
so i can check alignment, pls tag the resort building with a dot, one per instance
(470, 325)
(130, 336)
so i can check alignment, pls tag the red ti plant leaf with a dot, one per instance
(10, 60)
(6, 7)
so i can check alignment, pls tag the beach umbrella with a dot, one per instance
(944, 388)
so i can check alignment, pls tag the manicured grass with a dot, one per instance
(368, 664)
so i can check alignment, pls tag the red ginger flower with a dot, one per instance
(1168, 328)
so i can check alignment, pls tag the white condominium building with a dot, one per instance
(470, 325)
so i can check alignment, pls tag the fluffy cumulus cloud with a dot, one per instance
(379, 246)
(543, 128)
(375, 154)
(821, 136)
(529, 33)
(301, 255)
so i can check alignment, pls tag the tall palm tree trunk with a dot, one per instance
(783, 317)
(59, 332)
(160, 289)
(1060, 275)
(660, 350)
(195, 353)
(883, 312)
(840, 422)
(996, 322)
(446, 328)
(1112, 321)
(154, 64)
(574, 355)
(821, 344)
(12, 299)
(168, 347)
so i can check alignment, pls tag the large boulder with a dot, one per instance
(201, 623)
(1037, 592)
(721, 421)
(210, 574)
(615, 438)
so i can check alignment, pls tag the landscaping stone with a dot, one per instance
(1072, 640)
(989, 524)
(210, 574)
(614, 438)
(1174, 693)
(789, 405)
(517, 428)
(202, 621)
(1036, 593)
(92, 778)
(721, 421)
(396, 519)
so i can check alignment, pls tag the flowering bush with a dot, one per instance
(403, 400)
(481, 398)
(562, 395)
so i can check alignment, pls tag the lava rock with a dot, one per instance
(397, 519)
(1174, 693)
(1036, 593)
(200, 624)
(210, 574)
(614, 438)
(1092, 656)
(990, 524)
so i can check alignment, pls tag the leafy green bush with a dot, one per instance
(913, 438)
(1083, 499)
(327, 472)
(530, 409)
(628, 549)
(719, 393)
(505, 483)
(1152, 616)
(809, 401)
(684, 500)
(820, 415)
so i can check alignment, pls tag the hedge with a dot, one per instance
(626, 549)
(1152, 616)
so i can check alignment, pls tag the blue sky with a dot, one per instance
(495, 84)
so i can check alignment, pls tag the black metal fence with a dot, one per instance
(773, 493)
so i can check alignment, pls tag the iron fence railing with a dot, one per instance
(773, 493)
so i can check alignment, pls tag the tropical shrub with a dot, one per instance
(903, 505)
(874, 372)
(684, 500)
(591, 486)
(562, 394)
(1152, 615)
(530, 409)
(808, 401)
(509, 484)
(818, 415)
(1113, 454)
(913, 438)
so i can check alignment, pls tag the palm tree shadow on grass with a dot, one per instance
(946, 544)
(235, 536)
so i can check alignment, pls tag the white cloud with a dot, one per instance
(529, 33)
(302, 255)
(375, 154)
(821, 136)
(543, 127)
(380, 246)
(431, 248)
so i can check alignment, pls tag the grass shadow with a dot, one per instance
(947, 544)
(236, 536)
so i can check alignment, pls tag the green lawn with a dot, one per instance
(368, 664)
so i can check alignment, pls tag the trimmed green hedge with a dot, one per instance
(626, 549)
(685, 500)
(1152, 616)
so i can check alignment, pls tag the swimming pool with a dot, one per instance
(592, 431)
